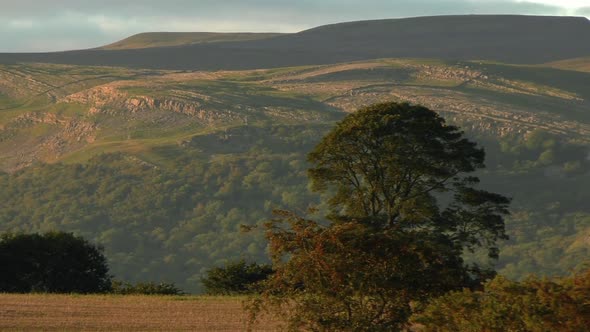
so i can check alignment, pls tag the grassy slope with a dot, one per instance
(578, 64)
(166, 39)
(174, 106)
(68, 113)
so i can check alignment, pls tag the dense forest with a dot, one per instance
(174, 221)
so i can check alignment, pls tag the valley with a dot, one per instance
(160, 147)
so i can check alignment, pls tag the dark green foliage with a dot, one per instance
(179, 219)
(404, 209)
(145, 288)
(235, 278)
(550, 215)
(391, 166)
(52, 263)
(175, 221)
(534, 305)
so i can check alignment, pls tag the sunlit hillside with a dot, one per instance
(162, 167)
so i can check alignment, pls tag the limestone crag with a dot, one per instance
(111, 101)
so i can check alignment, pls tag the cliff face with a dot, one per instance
(108, 100)
(50, 117)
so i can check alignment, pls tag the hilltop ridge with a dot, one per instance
(168, 39)
(501, 38)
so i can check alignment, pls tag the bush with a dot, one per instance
(53, 263)
(235, 278)
(504, 305)
(145, 288)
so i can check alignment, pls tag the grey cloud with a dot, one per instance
(306, 10)
(183, 7)
(49, 34)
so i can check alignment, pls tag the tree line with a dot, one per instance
(182, 217)
(59, 262)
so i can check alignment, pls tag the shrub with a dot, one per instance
(504, 305)
(145, 288)
(235, 278)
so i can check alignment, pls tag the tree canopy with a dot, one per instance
(235, 278)
(503, 305)
(391, 165)
(53, 263)
(404, 208)
(181, 218)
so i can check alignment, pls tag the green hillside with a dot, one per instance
(167, 39)
(162, 167)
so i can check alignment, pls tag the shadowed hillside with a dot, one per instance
(513, 39)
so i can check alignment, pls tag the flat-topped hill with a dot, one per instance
(504, 38)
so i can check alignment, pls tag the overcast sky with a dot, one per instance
(50, 25)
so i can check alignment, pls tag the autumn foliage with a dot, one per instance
(534, 305)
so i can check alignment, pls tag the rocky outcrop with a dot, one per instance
(55, 136)
(446, 73)
(494, 118)
(112, 100)
(17, 84)
(130, 105)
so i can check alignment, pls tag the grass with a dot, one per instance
(438, 83)
(564, 80)
(578, 64)
(30, 312)
(292, 95)
(166, 39)
(8, 103)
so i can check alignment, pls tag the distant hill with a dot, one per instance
(579, 64)
(167, 39)
(162, 167)
(511, 39)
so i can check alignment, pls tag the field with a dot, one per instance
(124, 313)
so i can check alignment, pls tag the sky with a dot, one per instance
(53, 25)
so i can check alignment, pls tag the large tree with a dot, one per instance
(394, 165)
(404, 208)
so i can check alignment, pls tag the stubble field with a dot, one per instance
(40, 312)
